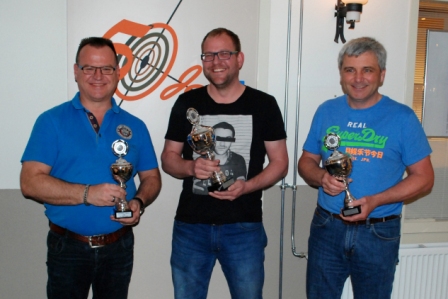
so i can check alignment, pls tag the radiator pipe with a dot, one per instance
(284, 185)
(296, 138)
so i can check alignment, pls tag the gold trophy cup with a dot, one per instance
(202, 141)
(339, 165)
(121, 172)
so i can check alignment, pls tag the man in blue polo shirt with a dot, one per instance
(66, 166)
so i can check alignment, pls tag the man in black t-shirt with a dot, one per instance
(223, 225)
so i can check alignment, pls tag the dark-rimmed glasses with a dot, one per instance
(90, 70)
(222, 55)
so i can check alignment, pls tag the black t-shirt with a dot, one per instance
(256, 118)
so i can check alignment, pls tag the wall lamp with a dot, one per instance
(351, 11)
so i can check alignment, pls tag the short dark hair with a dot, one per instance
(220, 31)
(97, 42)
(361, 45)
(226, 126)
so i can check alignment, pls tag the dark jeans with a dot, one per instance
(367, 253)
(238, 247)
(73, 267)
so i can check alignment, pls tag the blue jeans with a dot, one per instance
(239, 248)
(367, 253)
(73, 267)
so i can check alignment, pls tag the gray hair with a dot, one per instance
(358, 46)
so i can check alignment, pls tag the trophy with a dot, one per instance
(121, 172)
(202, 141)
(339, 165)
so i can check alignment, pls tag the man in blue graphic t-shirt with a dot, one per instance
(384, 139)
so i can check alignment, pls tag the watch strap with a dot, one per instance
(142, 205)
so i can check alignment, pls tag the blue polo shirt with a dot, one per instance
(64, 139)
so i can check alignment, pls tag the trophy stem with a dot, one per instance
(210, 155)
(349, 198)
(349, 209)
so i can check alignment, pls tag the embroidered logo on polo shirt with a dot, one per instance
(124, 131)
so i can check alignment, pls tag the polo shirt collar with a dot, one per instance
(76, 102)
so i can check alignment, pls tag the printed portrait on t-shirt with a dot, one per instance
(233, 135)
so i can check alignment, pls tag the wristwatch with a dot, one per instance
(142, 206)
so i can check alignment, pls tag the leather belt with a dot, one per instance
(93, 241)
(360, 222)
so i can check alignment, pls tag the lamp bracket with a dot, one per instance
(340, 14)
(341, 10)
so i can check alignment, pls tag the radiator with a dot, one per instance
(422, 273)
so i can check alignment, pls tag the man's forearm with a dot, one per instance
(412, 186)
(47, 189)
(176, 166)
(149, 187)
(273, 173)
(311, 172)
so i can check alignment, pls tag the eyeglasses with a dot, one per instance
(90, 70)
(223, 55)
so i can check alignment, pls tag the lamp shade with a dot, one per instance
(354, 9)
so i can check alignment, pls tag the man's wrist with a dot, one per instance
(142, 205)
(84, 197)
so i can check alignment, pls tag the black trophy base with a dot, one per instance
(221, 186)
(350, 211)
(123, 214)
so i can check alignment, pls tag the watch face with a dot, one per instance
(120, 147)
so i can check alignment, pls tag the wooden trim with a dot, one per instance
(440, 7)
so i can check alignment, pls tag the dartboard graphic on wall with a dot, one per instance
(145, 59)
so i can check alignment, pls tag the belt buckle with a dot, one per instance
(92, 245)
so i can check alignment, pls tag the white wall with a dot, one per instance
(33, 59)
(33, 79)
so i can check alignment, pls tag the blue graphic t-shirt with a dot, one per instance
(382, 140)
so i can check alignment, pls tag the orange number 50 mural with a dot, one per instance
(146, 60)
